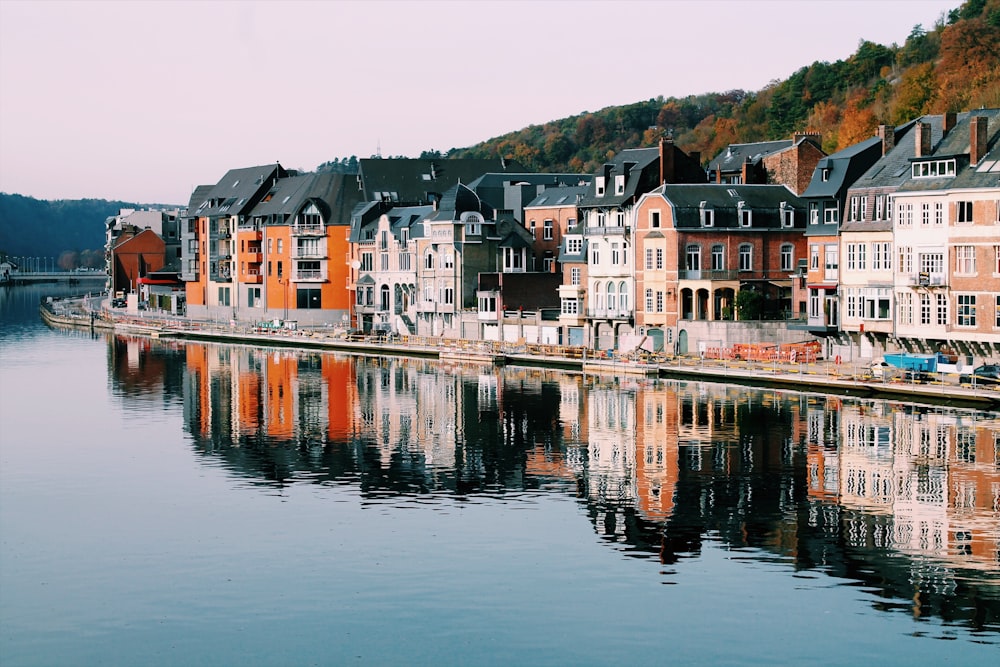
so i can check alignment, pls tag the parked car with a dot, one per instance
(985, 374)
(118, 303)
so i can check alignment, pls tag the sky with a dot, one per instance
(144, 101)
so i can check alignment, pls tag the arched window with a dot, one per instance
(693, 256)
(623, 297)
(746, 257)
(429, 260)
(611, 296)
(598, 298)
(718, 257)
(384, 298)
(787, 256)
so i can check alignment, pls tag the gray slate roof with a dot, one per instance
(561, 196)
(957, 144)
(733, 156)
(415, 181)
(239, 190)
(763, 200)
(844, 167)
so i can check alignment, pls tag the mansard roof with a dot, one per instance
(460, 199)
(333, 194)
(765, 202)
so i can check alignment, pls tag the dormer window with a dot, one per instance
(933, 168)
(787, 215)
(620, 184)
(599, 185)
(825, 174)
(707, 215)
(744, 214)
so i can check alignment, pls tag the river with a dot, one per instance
(165, 503)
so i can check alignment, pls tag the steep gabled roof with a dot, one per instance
(239, 190)
(560, 196)
(419, 181)
(837, 172)
(732, 157)
(956, 144)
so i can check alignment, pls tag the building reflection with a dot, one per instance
(901, 497)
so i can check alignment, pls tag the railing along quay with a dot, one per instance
(806, 374)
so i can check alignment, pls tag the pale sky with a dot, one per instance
(142, 101)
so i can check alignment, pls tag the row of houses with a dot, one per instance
(893, 242)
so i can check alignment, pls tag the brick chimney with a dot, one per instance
(923, 140)
(812, 136)
(887, 134)
(747, 170)
(948, 122)
(666, 160)
(977, 138)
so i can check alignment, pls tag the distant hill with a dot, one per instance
(951, 66)
(32, 227)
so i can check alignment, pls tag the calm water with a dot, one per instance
(168, 504)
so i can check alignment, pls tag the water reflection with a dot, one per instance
(900, 499)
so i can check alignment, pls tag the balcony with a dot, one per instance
(254, 257)
(300, 253)
(308, 230)
(609, 314)
(607, 231)
(926, 279)
(253, 278)
(707, 275)
(310, 276)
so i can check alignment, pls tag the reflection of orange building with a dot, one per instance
(974, 493)
(340, 377)
(656, 451)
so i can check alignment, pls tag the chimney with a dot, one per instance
(718, 175)
(977, 139)
(801, 136)
(948, 122)
(666, 160)
(923, 140)
(746, 170)
(887, 134)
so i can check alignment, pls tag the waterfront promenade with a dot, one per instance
(821, 376)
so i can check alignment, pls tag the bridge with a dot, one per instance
(29, 277)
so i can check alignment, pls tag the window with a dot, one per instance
(905, 301)
(448, 259)
(281, 243)
(599, 186)
(854, 208)
(611, 296)
(787, 215)
(615, 255)
(966, 310)
(746, 257)
(882, 256)
(270, 246)
(905, 259)
(813, 213)
(925, 214)
(863, 207)
(384, 261)
(707, 216)
(942, 308)
(830, 214)
(996, 323)
(548, 264)
(905, 215)
(963, 211)
(879, 207)
(404, 261)
(932, 262)
(619, 184)
(996, 259)
(965, 259)
(856, 256)
(876, 304)
(649, 300)
(224, 295)
(718, 257)
(745, 215)
(595, 255)
(787, 256)
(574, 276)
(925, 308)
(938, 213)
(649, 258)
(654, 219)
(693, 255)
(659, 301)
(814, 302)
(534, 235)
(570, 306)
(933, 169)
(659, 258)
(429, 260)
(814, 257)
(547, 231)
(448, 295)
(831, 262)
(574, 245)
(281, 270)
(308, 298)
